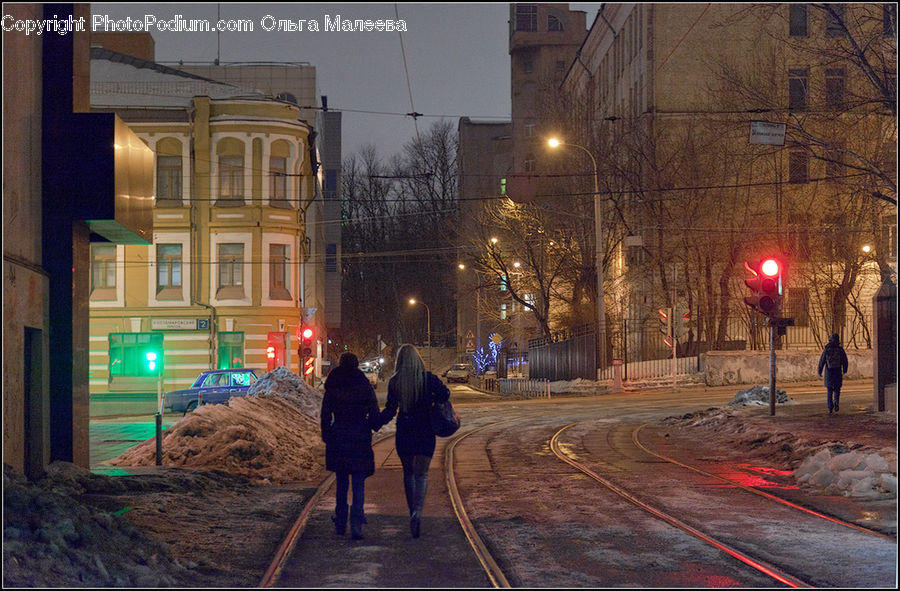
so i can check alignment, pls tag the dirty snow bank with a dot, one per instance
(850, 473)
(832, 466)
(51, 539)
(272, 435)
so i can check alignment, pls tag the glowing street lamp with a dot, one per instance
(413, 302)
(598, 239)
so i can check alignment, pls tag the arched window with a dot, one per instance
(554, 23)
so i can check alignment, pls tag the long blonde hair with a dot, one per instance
(409, 376)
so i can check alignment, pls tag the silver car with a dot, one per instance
(459, 372)
(371, 374)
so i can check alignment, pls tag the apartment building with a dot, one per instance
(684, 90)
(222, 284)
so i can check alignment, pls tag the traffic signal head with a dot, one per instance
(306, 341)
(151, 360)
(766, 287)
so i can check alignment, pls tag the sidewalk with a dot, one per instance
(388, 556)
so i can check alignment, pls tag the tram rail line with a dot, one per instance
(755, 563)
(635, 436)
(481, 549)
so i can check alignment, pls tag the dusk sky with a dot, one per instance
(456, 54)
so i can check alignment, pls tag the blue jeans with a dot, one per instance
(342, 484)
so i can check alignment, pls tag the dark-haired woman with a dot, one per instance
(349, 415)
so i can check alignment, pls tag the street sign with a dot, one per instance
(765, 133)
(179, 324)
(780, 322)
(496, 338)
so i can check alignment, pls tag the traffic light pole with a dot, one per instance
(772, 331)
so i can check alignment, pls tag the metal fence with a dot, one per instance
(640, 345)
(564, 356)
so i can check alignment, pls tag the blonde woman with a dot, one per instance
(411, 391)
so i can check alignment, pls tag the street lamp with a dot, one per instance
(598, 239)
(413, 302)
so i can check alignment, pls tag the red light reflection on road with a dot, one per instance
(756, 476)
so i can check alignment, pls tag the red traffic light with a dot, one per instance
(307, 333)
(765, 285)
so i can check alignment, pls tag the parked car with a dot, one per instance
(212, 387)
(371, 374)
(458, 372)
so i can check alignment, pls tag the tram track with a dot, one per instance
(504, 570)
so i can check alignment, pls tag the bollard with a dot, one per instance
(159, 439)
(617, 375)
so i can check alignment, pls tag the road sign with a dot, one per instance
(780, 322)
(496, 338)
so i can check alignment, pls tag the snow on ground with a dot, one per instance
(830, 466)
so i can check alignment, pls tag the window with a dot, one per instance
(529, 163)
(128, 353)
(889, 18)
(553, 23)
(799, 20)
(331, 184)
(528, 66)
(834, 165)
(331, 258)
(797, 305)
(834, 89)
(168, 178)
(278, 178)
(231, 177)
(103, 272)
(889, 236)
(798, 168)
(834, 20)
(230, 350)
(798, 87)
(526, 17)
(278, 271)
(529, 129)
(231, 269)
(168, 271)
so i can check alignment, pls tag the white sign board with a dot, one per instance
(179, 324)
(770, 134)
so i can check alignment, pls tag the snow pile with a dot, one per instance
(271, 435)
(283, 382)
(51, 539)
(758, 395)
(851, 473)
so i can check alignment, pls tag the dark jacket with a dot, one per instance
(349, 415)
(834, 362)
(414, 435)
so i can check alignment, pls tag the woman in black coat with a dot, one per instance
(412, 390)
(349, 415)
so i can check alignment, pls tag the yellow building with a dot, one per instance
(222, 283)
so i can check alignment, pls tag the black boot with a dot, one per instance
(356, 522)
(340, 519)
(415, 520)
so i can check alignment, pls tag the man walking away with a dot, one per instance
(834, 362)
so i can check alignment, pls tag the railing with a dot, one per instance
(520, 386)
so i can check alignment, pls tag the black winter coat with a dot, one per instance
(349, 415)
(834, 362)
(414, 434)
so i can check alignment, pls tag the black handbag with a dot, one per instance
(444, 419)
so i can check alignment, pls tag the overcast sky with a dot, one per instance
(457, 57)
